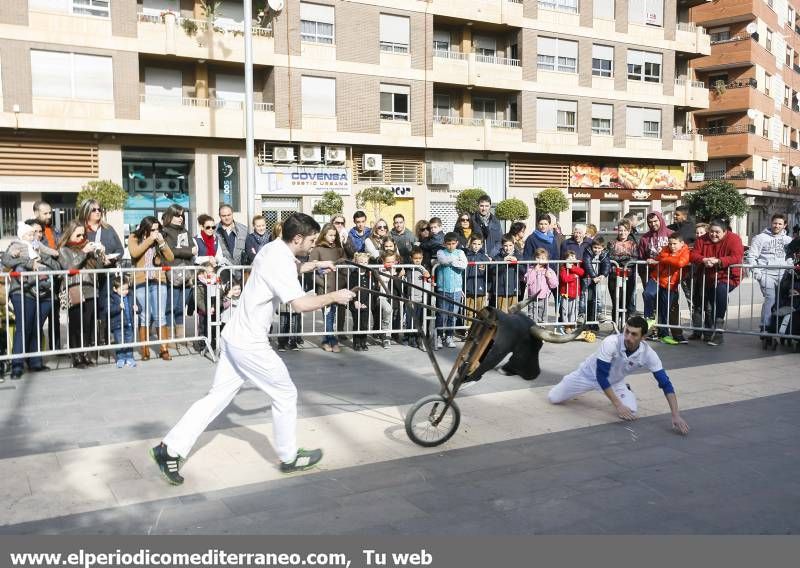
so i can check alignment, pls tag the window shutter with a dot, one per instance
(634, 121)
(651, 115)
(546, 114)
(602, 111)
(547, 46)
(395, 29)
(604, 9)
(229, 87)
(441, 36)
(398, 89)
(568, 48)
(94, 77)
(635, 57)
(316, 12)
(319, 96)
(484, 42)
(51, 73)
(603, 52)
(650, 57)
(163, 83)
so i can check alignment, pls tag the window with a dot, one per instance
(64, 75)
(98, 8)
(602, 60)
(484, 108)
(441, 105)
(318, 96)
(394, 102)
(764, 170)
(767, 83)
(602, 117)
(785, 135)
(484, 45)
(714, 79)
(441, 40)
(556, 115)
(570, 6)
(603, 9)
(789, 57)
(790, 16)
(557, 55)
(719, 34)
(769, 39)
(643, 122)
(164, 86)
(765, 126)
(644, 66)
(787, 95)
(715, 125)
(316, 23)
(230, 90)
(394, 33)
(646, 12)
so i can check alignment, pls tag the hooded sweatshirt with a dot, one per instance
(768, 249)
(668, 269)
(652, 242)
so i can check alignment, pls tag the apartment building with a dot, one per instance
(424, 97)
(752, 124)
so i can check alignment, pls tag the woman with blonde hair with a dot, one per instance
(373, 245)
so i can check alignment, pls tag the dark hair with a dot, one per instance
(676, 235)
(201, 219)
(387, 253)
(682, 209)
(359, 215)
(778, 216)
(398, 216)
(224, 206)
(299, 224)
(436, 220)
(475, 237)
(507, 238)
(484, 199)
(624, 223)
(598, 240)
(145, 228)
(172, 211)
(32, 222)
(119, 281)
(721, 223)
(38, 203)
(450, 237)
(415, 251)
(543, 217)
(638, 322)
(258, 218)
(516, 227)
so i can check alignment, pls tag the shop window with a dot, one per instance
(153, 186)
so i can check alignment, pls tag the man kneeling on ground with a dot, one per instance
(620, 355)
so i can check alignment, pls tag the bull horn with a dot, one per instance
(550, 337)
(517, 308)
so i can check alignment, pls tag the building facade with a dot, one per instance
(752, 124)
(424, 97)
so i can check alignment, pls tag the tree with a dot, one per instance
(467, 200)
(108, 194)
(330, 204)
(376, 197)
(511, 209)
(716, 199)
(551, 200)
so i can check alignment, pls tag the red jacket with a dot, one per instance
(668, 269)
(570, 286)
(728, 250)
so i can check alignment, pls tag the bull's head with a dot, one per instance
(519, 335)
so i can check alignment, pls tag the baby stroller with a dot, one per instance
(785, 319)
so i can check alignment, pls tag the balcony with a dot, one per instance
(738, 96)
(692, 39)
(189, 116)
(737, 51)
(689, 93)
(507, 12)
(476, 133)
(475, 69)
(200, 39)
(741, 179)
(690, 147)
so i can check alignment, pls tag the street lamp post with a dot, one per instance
(248, 103)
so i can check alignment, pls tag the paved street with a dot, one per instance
(73, 451)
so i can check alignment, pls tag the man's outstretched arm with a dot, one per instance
(678, 423)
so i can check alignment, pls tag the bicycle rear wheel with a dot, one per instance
(428, 424)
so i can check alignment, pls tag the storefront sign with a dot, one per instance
(669, 197)
(228, 180)
(627, 176)
(402, 190)
(302, 180)
(624, 194)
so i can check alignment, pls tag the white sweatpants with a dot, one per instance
(574, 384)
(267, 371)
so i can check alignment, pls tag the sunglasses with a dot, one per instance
(96, 210)
(424, 228)
(464, 219)
(382, 227)
(207, 227)
(338, 222)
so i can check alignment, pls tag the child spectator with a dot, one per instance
(208, 284)
(360, 304)
(667, 270)
(121, 310)
(540, 280)
(591, 230)
(596, 266)
(419, 276)
(434, 243)
(230, 301)
(621, 251)
(386, 306)
(328, 247)
(570, 288)
(451, 264)
(506, 275)
(476, 281)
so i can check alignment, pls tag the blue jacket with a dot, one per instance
(492, 233)
(506, 277)
(570, 245)
(477, 280)
(450, 270)
(355, 242)
(603, 265)
(118, 322)
(430, 247)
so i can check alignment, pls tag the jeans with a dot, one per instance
(30, 316)
(330, 318)
(176, 304)
(716, 303)
(446, 320)
(152, 297)
(668, 312)
(649, 296)
(124, 335)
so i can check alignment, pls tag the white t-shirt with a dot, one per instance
(612, 350)
(273, 280)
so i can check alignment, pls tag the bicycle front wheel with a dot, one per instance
(428, 424)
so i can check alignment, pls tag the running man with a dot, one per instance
(245, 352)
(620, 355)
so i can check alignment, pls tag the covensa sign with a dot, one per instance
(302, 180)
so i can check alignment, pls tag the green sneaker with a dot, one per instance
(305, 459)
(168, 465)
(669, 340)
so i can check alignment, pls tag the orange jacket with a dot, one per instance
(668, 269)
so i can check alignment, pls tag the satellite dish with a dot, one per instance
(275, 5)
(796, 171)
(751, 114)
(751, 28)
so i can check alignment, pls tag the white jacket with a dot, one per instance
(768, 249)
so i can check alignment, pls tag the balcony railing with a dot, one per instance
(150, 18)
(202, 25)
(194, 102)
(711, 175)
(458, 120)
(721, 130)
(681, 135)
(494, 60)
(449, 54)
(743, 84)
(739, 37)
(686, 27)
(681, 81)
(505, 123)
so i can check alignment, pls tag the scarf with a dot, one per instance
(467, 232)
(546, 237)
(261, 240)
(210, 242)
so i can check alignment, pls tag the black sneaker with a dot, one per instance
(167, 464)
(306, 459)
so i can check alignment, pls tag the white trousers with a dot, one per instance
(267, 371)
(574, 384)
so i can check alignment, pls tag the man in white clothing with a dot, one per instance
(246, 353)
(620, 355)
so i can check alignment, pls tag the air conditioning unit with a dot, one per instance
(283, 154)
(335, 154)
(372, 163)
(310, 154)
(439, 173)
